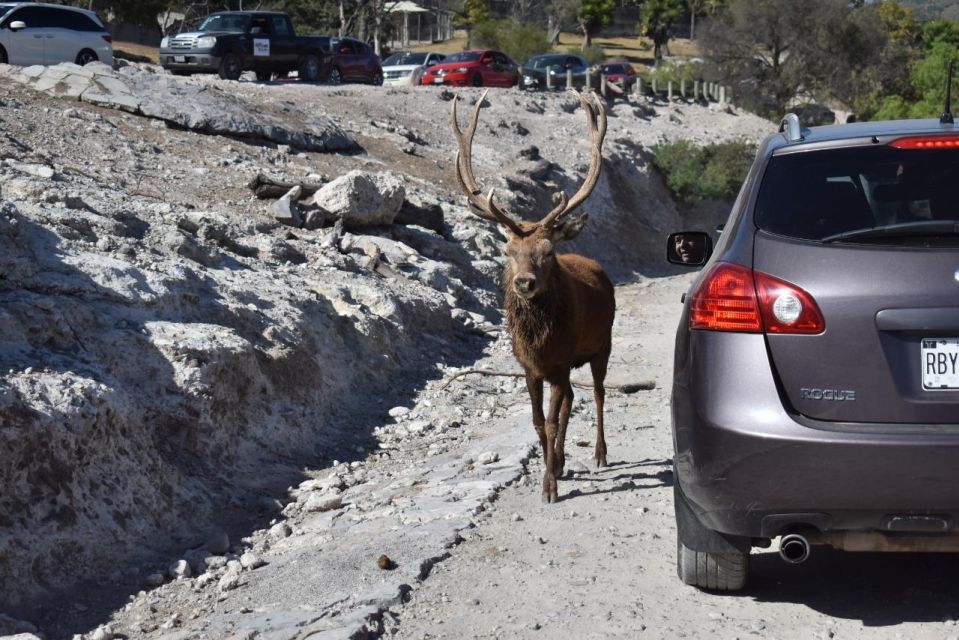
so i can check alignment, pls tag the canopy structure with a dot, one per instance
(438, 23)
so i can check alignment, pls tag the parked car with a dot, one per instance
(407, 67)
(816, 378)
(556, 65)
(618, 71)
(38, 33)
(353, 61)
(477, 68)
(231, 42)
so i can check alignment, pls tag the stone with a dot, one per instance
(103, 632)
(218, 544)
(285, 208)
(363, 199)
(229, 581)
(180, 569)
(280, 530)
(250, 560)
(488, 457)
(155, 579)
(399, 412)
(319, 502)
(429, 217)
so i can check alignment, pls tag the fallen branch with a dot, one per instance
(626, 387)
(269, 188)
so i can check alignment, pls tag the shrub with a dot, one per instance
(594, 54)
(517, 40)
(694, 173)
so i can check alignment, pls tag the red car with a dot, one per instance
(618, 71)
(477, 68)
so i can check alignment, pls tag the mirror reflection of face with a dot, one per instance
(686, 247)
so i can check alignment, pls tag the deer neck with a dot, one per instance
(533, 323)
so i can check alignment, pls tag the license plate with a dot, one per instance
(179, 58)
(437, 80)
(940, 363)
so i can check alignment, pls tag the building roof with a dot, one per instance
(405, 6)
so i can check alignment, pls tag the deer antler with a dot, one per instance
(484, 207)
(594, 111)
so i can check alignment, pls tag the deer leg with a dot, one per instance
(564, 412)
(598, 366)
(557, 394)
(535, 387)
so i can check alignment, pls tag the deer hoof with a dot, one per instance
(550, 494)
(601, 460)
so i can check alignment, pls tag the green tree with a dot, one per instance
(698, 8)
(928, 82)
(518, 40)
(772, 51)
(559, 13)
(592, 16)
(472, 13)
(658, 19)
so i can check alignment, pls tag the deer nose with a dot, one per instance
(524, 284)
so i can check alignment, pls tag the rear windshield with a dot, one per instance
(614, 68)
(546, 61)
(232, 23)
(818, 195)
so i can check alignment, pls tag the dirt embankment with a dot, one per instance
(174, 355)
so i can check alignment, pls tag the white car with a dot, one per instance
(38, 33)
(406, 68)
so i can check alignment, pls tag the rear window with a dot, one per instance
(464, 56)
(818, 195)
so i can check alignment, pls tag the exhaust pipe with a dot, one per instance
(794, 548)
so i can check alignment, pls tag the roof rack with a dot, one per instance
(792, 127)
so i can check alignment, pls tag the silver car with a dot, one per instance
(36, 33)
(816, 378)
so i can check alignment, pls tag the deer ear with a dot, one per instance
(569, 229)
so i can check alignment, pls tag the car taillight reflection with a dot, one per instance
(735, 298)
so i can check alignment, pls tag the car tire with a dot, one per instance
(335, 76)
(309, 69)
(711, 571)
(264, 76)
(231, 67)
(86, 57)
(3, 56)
(476, 80)
(377, 79)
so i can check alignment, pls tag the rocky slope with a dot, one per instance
(176, 352)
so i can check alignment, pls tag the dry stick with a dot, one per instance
(626, 387)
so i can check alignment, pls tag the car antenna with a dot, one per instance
(946, 117)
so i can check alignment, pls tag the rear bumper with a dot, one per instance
(749, 468)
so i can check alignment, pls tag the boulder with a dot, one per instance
(363, 199)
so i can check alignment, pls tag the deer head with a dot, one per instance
(530, 248)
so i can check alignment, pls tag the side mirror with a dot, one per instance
(16, 25)
(689, 248)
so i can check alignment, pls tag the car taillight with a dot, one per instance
(786, 308)
(108, 38)
(735, 298)
(726, 301)
(926, 142)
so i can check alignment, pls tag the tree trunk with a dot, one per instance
(587, 37)
(342, 31)
(692, 25)
(553, 28)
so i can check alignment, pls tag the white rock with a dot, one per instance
(250, 560)
(229, 581)
(155, 579)
(180, 569)
(488, 457)
(399, 412)
(363, 199)
(280, 530)
(323, 502)
(103, 632)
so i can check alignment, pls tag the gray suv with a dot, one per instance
(816, 377)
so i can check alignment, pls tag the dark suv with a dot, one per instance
(816, 377)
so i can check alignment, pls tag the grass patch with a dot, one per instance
(136, 52)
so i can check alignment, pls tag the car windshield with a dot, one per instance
(875, 194)
(542, 62)
(464, 56)
(4, 8)
(398, 59)
(230, 22)
(614, 68)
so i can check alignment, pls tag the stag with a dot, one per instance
(559, 307)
